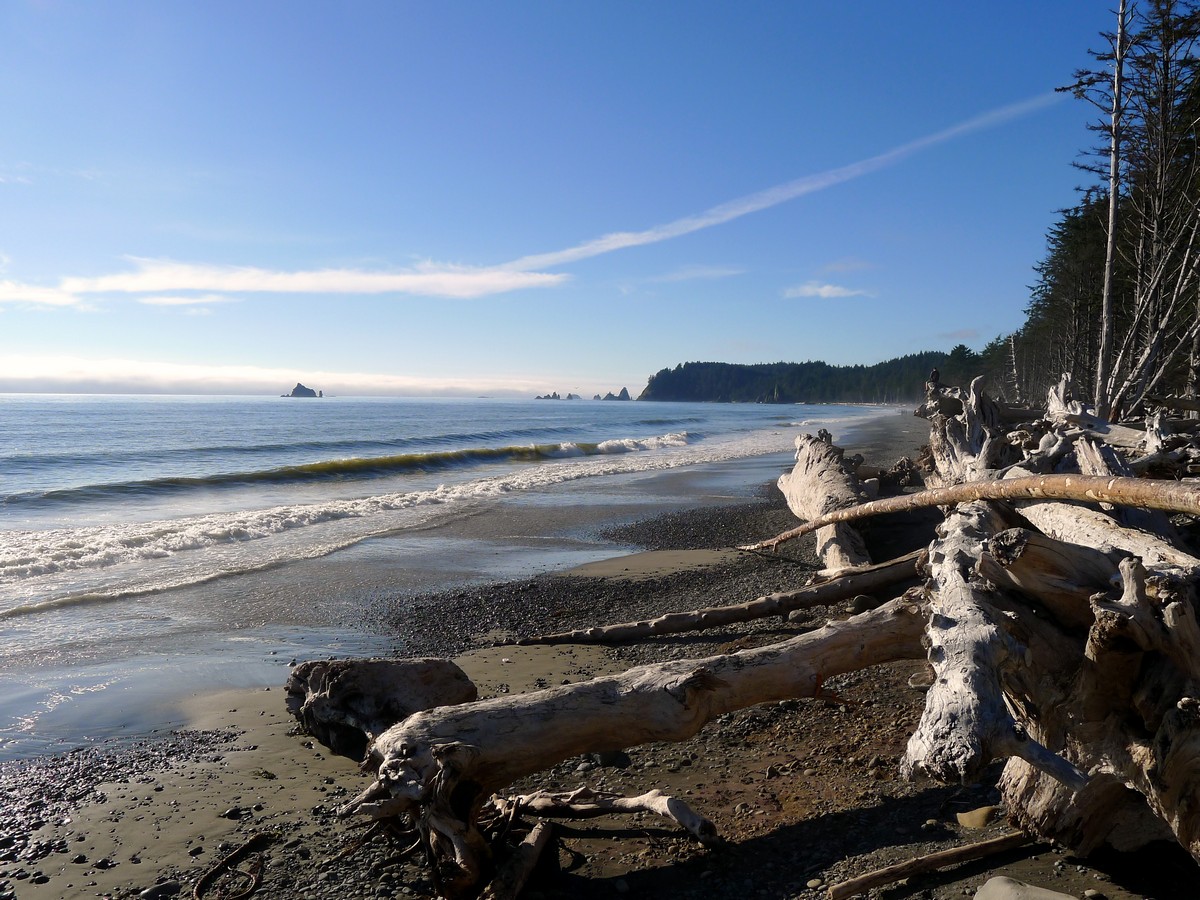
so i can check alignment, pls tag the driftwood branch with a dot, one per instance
(1169, 496)
(867, 580)
(931, 862)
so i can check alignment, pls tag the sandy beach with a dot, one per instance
(805, 792)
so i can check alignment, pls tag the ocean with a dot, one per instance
(154, 547)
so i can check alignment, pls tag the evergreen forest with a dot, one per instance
(1115, 301)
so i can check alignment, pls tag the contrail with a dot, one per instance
(780, 193)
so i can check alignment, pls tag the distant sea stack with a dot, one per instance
(624, 395)
(301, 391)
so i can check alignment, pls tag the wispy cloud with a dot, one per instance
(168, 283)
(847, 264)
(817, 289)
(781, 193)
(428, 279)
(189, 300)
(16, 292)
(699, 273)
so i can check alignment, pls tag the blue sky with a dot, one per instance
(484, 198)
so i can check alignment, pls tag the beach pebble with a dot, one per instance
(159, 891)
(1002, 888)
(978, 818)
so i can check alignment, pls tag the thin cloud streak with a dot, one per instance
(166, 276)
(773, 196)
(198, 300)
(825, 291)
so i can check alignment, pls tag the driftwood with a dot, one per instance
(1061, 576)
(1170, 496)
(930, 862)
(439, 766)
(818, 483)
(1063, 640)
(866, 580)
(346, 703)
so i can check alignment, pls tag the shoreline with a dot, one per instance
(124, 821)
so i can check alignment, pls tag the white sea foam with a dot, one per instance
(40, 569)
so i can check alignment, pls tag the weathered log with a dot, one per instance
(1099, 459)
(966, 723)
(510, 880)
(930, 862)
(867, 580)
(1092, 528)
(438, 766)
(1061, 576)
(969, 445)
(818, 483)
(346, 703)
(1129, 716)
(1170, 496)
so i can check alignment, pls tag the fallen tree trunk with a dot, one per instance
(966, 723)
(867, 580)
(439, 766)
(1060, 576)
(817, 484)
(1170, 496)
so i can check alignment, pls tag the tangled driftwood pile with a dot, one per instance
(1058, 611)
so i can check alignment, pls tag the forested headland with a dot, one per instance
(1115, 301)
(900, 380)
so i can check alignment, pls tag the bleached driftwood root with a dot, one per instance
(437, 767)
(866, 580)
(586, 803)
(818, 483)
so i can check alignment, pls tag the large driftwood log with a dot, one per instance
(439, 766)
(346, 703)
(966, 723)
(1065, 409)
(1092, 528)
(867, 580)
(1060, 576)
(969, 444)
(1170, 496)
(818, 483)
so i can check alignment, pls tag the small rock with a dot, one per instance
(1002, 888)
(978, 818)
(814, 883)
(160, 891)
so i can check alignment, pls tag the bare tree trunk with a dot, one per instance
(1104, 356)
(818, 483)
